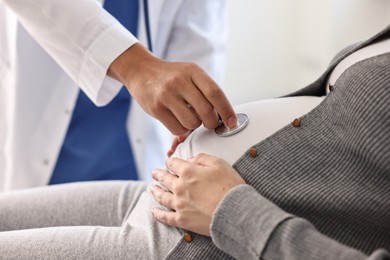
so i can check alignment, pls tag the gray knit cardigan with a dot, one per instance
(317, 191)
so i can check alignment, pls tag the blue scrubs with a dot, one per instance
(96, 146)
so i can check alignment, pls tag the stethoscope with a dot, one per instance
(221, 130)
(242, 122)
(147, 26)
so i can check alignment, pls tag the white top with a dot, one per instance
(262, 124)
(364, 53)
(262, 120)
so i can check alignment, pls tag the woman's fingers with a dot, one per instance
(163, 197)
(165, 217)
(180, 166)
(166, 178)
(197, 186)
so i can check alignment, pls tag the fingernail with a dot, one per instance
(232, 122)
(152, 211)
(169, 162)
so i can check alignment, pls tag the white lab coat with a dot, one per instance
(50, 47)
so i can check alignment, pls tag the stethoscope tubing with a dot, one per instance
(147, 25)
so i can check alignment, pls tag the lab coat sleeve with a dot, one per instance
(248, 226)
(199, 35)
(80, 36)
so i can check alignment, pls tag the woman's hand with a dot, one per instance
(195, 188)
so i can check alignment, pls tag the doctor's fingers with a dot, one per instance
(185, 114)
(190, 106)
(176, 141)
(214, 94)
(171, 122)
(201, 106)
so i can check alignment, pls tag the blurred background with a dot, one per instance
(278, 46)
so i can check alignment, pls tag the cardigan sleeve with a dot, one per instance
(246, 225)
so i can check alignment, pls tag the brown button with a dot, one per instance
(253, 152)
(330, 87)
(188, 237)
(296, 122)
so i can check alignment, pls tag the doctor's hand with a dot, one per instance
(176, 141)
(180, 95)
(194, 191)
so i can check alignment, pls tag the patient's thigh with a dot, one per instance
(72, 204)
(265, 118)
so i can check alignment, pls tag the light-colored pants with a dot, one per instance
(112, 220)
(95, 220)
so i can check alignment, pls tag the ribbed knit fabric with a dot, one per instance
(334, 169)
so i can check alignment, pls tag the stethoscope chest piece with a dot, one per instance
(242, 122)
